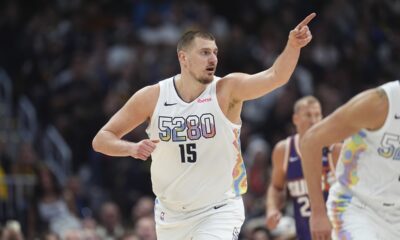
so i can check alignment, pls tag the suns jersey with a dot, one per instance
(297, 185)
(198, 160)
(369, 165)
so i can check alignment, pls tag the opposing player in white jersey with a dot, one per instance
(197, 170)
(364, 203)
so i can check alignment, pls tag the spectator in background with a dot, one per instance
(129, 236)
(49, 211)
(12, 231)
(110, 224)
(76, 197)
(260, 233)
(72, 234)
(22, 180)
(145, 228)
(50, 236)
(257, 162)
(143, 207)
(74, 102)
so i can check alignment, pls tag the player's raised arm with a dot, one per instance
(246, 86)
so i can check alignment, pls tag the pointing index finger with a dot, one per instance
(306, 20)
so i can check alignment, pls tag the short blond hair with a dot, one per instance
(304, 101)
(188, 37)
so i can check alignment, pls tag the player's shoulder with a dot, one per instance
(371, 96)
(281, 144)
(278, 154)
(146, 97)
(280, 147)
(231, 77)
(149, 91)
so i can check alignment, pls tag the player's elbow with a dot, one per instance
(96, 142)
(280, 78)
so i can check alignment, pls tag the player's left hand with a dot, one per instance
(320, 226)
(300, 36)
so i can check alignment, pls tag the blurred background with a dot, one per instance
(66, 66)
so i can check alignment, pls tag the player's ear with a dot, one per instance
(295, 118)
(181, 56)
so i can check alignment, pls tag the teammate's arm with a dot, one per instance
(276, 193)
(136, 110)
(246, 86)
(367, 110)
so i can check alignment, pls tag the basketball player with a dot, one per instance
(287, 170)
(364, 203)
(197, 171)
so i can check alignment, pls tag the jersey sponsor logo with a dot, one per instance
(235, 233)
(169, 104)
(202, 100)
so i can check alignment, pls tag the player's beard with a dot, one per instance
(204, 79)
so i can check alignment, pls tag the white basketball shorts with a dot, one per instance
(352, 219)
(221, 221)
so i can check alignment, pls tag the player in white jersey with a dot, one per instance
(364, 203)
(197, 171)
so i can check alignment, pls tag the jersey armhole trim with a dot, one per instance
(217, 106)
(162, 85)
(330, 159)
(286, 155)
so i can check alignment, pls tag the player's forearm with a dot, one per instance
(285, 64)
(108, 143)
(312, 169)
(275, 199)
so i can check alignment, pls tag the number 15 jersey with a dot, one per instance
(198, 161)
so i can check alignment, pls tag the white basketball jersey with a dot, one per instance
(198, 159)
(369, 166)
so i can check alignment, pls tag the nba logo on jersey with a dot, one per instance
(235, 233)
(162, 216)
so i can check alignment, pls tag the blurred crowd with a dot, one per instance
(79, 61)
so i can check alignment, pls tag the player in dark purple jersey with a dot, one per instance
(287, 170)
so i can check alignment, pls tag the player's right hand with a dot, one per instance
(300, 36)
(143, 149)
(272, 219)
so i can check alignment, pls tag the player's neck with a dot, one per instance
(188, 88)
